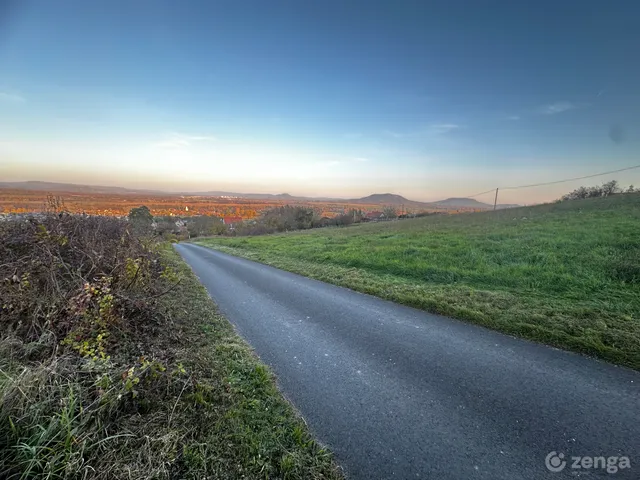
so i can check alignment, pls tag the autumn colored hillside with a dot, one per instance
(25, 201)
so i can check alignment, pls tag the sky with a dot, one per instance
(427, 99)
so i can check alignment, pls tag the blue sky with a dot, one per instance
(424, 99)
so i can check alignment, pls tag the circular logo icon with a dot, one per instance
(555, 461)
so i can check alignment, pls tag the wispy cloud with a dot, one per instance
(11, 98)
(549, 109)
(557, 107)
(180, 140)
(360, 159)
(433, 129)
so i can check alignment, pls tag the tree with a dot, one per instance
(141, 219)
(165, 226)
(390, 212)
(288, 217)
(604, 190)
(610, 188)
(631, 189)
(203, 225)
(357, 215)
(55, 204)
(344, 219)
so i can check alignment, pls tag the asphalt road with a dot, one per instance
(399, 393)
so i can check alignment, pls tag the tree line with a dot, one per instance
(605, 190)
(273, 220)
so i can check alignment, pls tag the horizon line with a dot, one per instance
(210, 192)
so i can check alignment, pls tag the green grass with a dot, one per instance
(209, 409)
(566, 274)
(246, 429)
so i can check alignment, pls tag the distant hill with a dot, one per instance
(386, 198)
(250, 196)
(77, 188)
(392, 199)
(448, 204)
(74, 188)
(374, 199)
(457, 202)
(463, 202)
(382, 198)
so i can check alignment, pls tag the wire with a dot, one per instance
(478, 194)
(570, 179)
(556, 182)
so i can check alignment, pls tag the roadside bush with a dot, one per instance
(62, 271)
(115, 364)
(74, 292)
(141, 220)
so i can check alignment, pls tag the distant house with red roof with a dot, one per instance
(374, 216)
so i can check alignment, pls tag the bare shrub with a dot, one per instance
(58, 271)
(74, 292)
(605, 190)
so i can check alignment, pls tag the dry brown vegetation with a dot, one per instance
(115, 364)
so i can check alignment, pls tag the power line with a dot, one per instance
(556, 182)
(570, 179)
(482, 193)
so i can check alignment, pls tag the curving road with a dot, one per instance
(399, 393)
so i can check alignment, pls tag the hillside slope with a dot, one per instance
(566, 274)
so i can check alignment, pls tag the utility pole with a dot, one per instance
(495, 202)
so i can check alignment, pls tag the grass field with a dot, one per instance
(567, 274)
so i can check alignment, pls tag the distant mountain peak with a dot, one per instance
(390, 198)
(463, 202)
(460, 200)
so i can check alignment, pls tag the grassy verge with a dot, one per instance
(566, 274)
(156, 385)
(245, 428)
